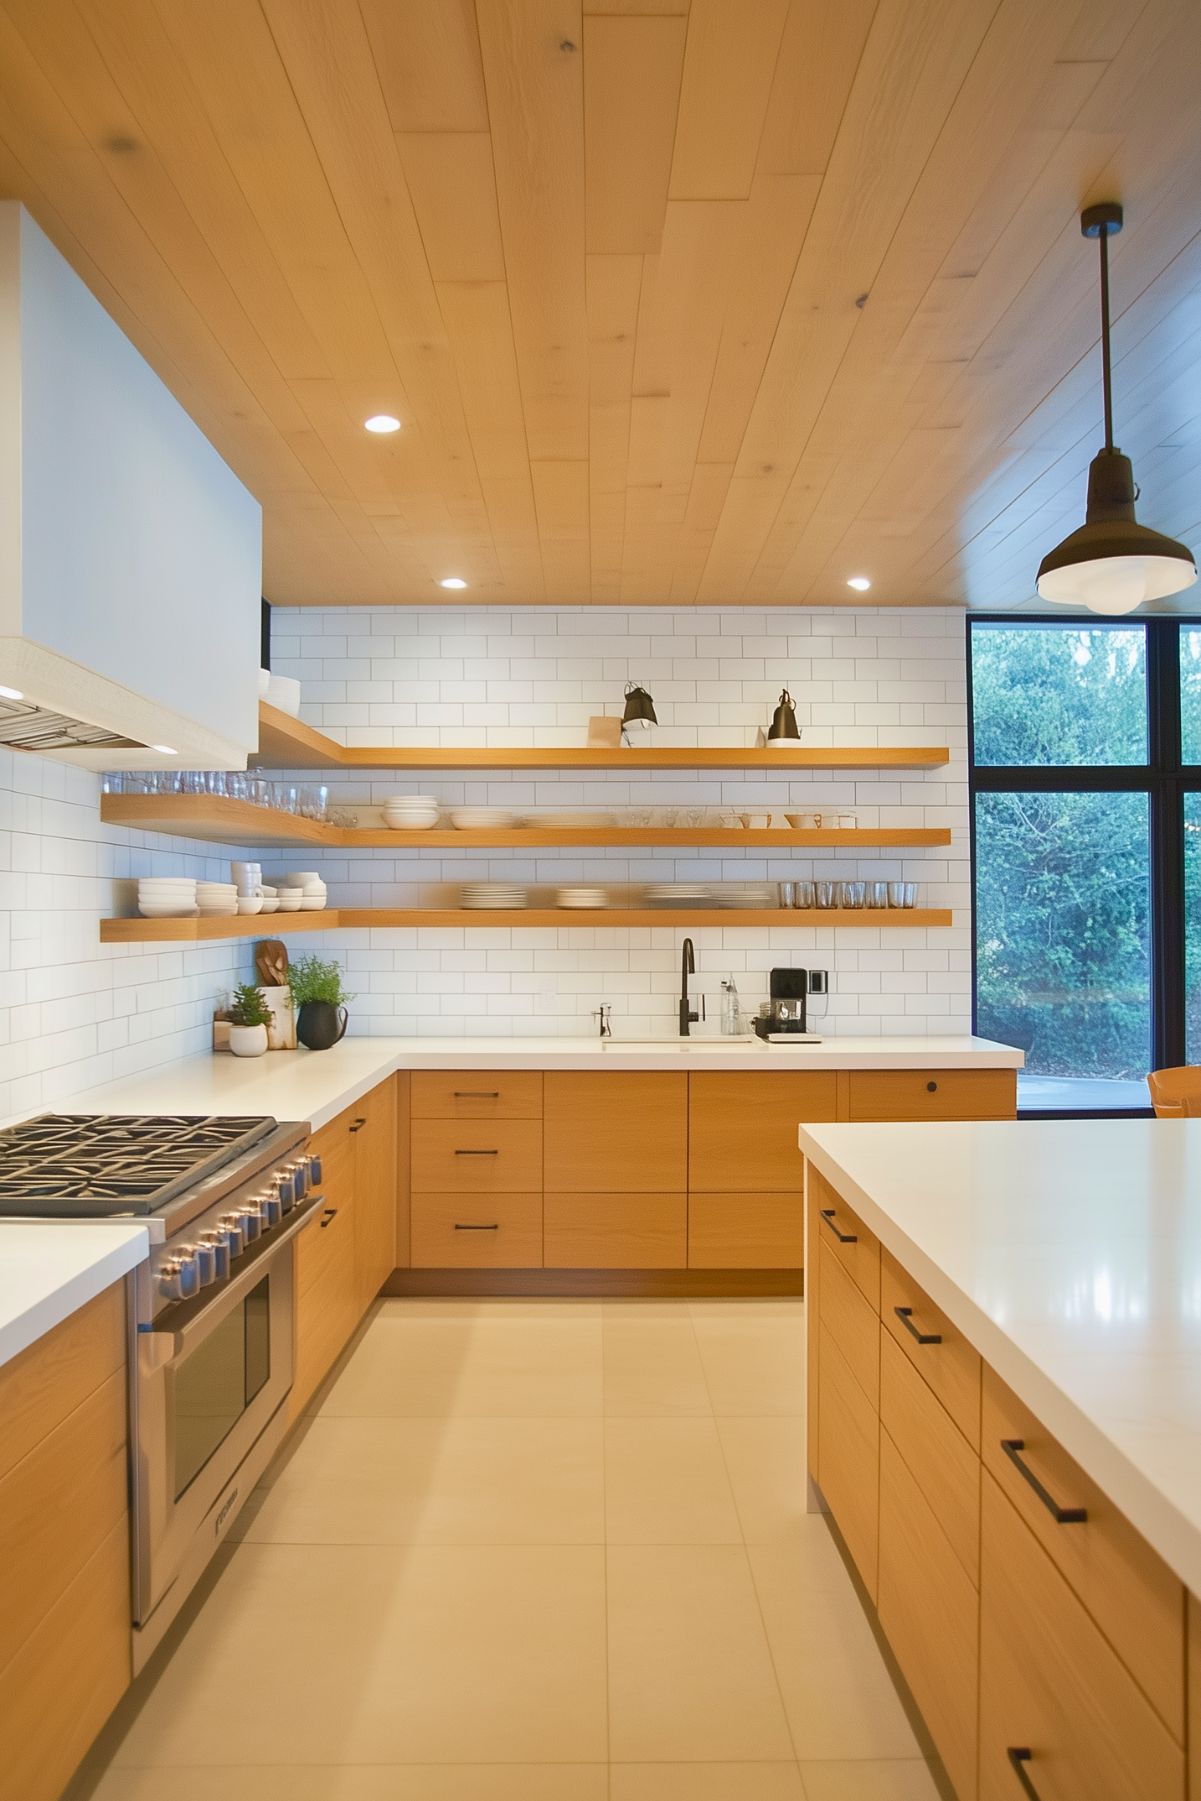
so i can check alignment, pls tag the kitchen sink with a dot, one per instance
(686, 1045)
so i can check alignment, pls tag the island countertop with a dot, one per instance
(1069, 1253)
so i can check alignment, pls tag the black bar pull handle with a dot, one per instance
(1063, 1516)
(328, 1218)
(358, 1124)
(477, 1153)
(827, 1214)
(905, 1315)
(467, 1228)
(477, 1094)
(1019, 1756)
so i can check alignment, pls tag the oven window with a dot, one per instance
(217, 1381)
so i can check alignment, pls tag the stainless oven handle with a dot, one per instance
(215, 1304)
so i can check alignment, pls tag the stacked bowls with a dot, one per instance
(311, 888)
(167, 897)
(410, 812)
(217, 900)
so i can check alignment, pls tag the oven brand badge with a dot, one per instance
(222, 1517)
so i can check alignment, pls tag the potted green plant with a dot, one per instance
(249, 1018)
(319, 999)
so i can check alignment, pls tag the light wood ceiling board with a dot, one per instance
(481, 336)
(158, 89)
(561, 497)
(428, 56)
(632, 72)
(454, 193)
(246, 91)
(374, 472)
(819, 53)
(329, 63)
(614, 284)
(535, 99)
(729, 63)
(631, 8)
(706, 498)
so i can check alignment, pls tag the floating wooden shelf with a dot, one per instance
(287, 743)
(191, 931)
(218, 819)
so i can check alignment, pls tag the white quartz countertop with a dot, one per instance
(48, 1270)
(316, 1085)
(1069, 1253)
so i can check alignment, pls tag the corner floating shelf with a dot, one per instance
(218, 819)
(193, 931)
(287, 743)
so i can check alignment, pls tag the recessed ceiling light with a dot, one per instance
(165, 750)
(452, 581)
(860, 583)
(11, 694)
(381, 422)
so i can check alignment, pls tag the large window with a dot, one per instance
(1086, 797)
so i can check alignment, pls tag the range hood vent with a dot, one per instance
(40, 729)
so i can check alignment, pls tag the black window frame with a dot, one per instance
(1165, 779)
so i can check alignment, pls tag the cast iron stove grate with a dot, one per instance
(81, 1164)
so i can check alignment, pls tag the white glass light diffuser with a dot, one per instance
(381, 424)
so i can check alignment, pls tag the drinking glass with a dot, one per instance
(260, 791)
(804, 894)
(910, 897)
(236, 785)
(896, 894)
(192, 781)
(215, 781)
(113, 784)
(854, 894)
(877, 894)
(824, 892)
(788, 894)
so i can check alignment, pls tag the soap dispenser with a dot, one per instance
(730, 1011)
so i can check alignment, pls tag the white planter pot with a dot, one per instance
(248, 1041)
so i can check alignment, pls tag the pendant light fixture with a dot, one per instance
(1112, 563)
(639, 707)
(783, 729)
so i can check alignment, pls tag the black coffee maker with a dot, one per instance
(788, 1009)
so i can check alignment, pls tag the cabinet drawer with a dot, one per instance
(851, 1323)
(857, 1249)
(1050, 1684)
(327, 1309)
(608, 1132)
(742, 1129)
(455, 1231)
(932, 1094)
(615, 1231)
(1130, 1592)
(47, 1382)
(942, 1463)
(477, 1157)
(951, 1366)
(745, 1230)
(930, 1613)
(476, 1094)
(848, 1458)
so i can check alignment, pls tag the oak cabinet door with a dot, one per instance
(615, 1133)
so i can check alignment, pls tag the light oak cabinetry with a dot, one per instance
(349, 1249)
(64, 1547)
(931, 1094)
(606, 1134)
(744, 1167)
(615, 1231)
(1043, 1641)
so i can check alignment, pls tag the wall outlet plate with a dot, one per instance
(819, 981)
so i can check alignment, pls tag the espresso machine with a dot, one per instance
(787, 1016)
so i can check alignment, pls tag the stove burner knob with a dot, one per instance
(188, 1263)
(205, 1256)
(315, 1171)
(297, 1174)
(271, 1208)
(217, 1243)
(288, 1189)
(168, 1279)
(230, 1228)
(251, 1220)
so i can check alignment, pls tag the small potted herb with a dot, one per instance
(319, 999)
(249, 1018)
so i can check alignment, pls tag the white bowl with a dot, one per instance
(270, 903)
(166, 881)
(410, 800)
(302, 878)
(410, 825)
(312, 903)
(283, 691)
(250, 903)
(290, 900)
(165, 910)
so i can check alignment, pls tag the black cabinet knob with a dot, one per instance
(931, 1087)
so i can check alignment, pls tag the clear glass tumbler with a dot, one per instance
(788, 894)
(824, 893)
(854, 894)
(896, 894)
(804, 895)
(910, 899)
(877, 894)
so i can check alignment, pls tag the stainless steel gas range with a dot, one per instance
(211, 1351)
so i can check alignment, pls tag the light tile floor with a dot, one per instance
(536, 1551)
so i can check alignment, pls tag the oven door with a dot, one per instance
(213, 1376)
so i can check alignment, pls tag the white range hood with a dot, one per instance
(130, 554)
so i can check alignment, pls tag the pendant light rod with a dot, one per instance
(1104, 221)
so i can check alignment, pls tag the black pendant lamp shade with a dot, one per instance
(783, 721)
(639, 707)
(1112, 563)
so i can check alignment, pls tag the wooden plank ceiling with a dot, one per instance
(720, 302)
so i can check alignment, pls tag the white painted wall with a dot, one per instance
(131, 549)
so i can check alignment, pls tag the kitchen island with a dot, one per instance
(1005, 1424)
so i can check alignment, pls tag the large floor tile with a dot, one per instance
(508, 1365)
(840, 1698)
(690, 1674)
(753, 1365)
(456, 1481)
(705, 1782)
(666, 1483)
(335, 1654)
(904, 1779)
(765, 1458)
(652, 1366)
(377, 1782)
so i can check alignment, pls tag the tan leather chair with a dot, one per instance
(1176, 1093)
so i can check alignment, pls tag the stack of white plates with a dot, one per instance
(754, 894)
(483, 819)
(217, 900)
(312, 889)
(678, 894)
(493, 894)
(581, 897)
(167, 897)
(410, 812)
(574, 820)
